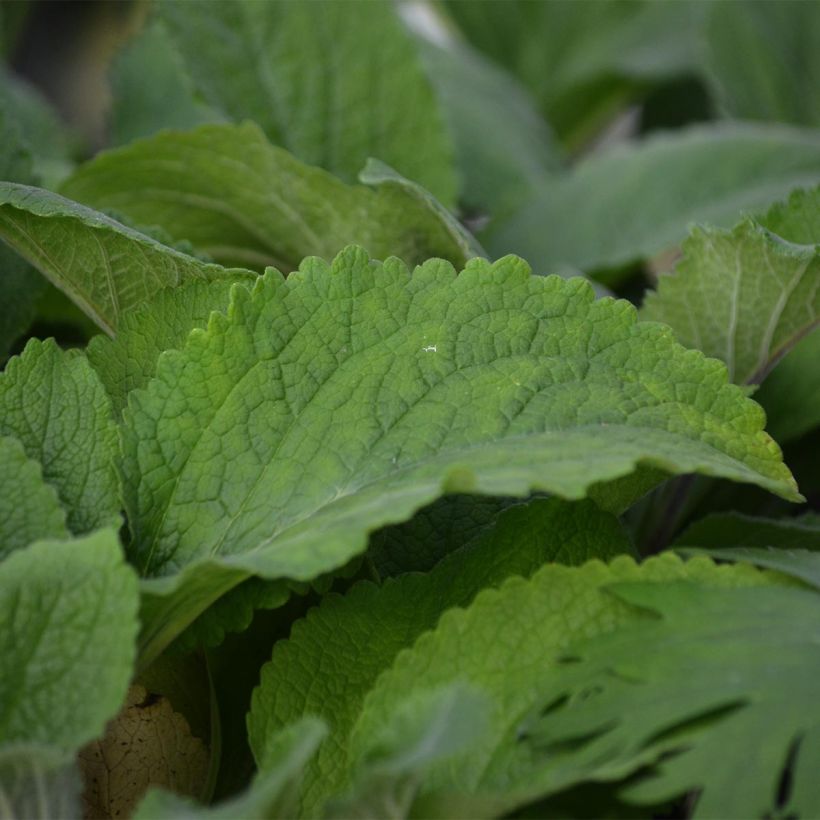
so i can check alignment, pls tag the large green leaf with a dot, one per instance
(334, 83)
(583, 61)
(104, 266)
(163, 323)
(347, 397)
(29, 508)
(636, 200)
(719, 682)
(508, 644)
(54, 403)
(335, 655)
(761, 59)
(745, 296)
(69, 614)
(240, 199)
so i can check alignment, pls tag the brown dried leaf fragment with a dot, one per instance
(147, 744)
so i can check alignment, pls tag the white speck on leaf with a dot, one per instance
(429, 348)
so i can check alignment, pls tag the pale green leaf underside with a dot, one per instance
(334, 83)
(244, 201)
(270, 795)
(130, 360)
(335, 655)
(38, 781)
(343, 399)
(69, 614)
(637, 200)
(53, 402)
(508, 643)
(29, 508)
(102, 265)
(744, 296)
(752, 652)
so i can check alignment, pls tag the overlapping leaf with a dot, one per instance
(335, 655)
(242, 200)
(347, 397)
(54, 403)
(103, 266)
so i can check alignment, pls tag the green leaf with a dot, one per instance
(54, 403)
(129, 361)
(636, 200)
(744, 296)
(509, 643)
(151, 89)
(334, 83)
(720, 683)
(335, 655)
(423, 732)
(583, 61)
(493, 381)
(104, 266)
(69, 610)
(761, 61)
(789, 545)
(242, 200)
(504, 148)
(29, 508)
(36, 782)
(270, 795)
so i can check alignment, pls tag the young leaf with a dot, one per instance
(508, 643)
(634, 201)
(335, 655)
(29, 508)
(69, 611)
(493, 381)
(270, 795)
(104, 266)
(242, 200)
(720, 682)
(334, 83)
(163, 323)
(745, 296)
(54, 403)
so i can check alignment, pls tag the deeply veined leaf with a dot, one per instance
(347, 397)
(69, 614)
(163, 323)
(105, 267)
(745, 296)
(54, 403)
(334, 83)
(270, 795)
(242, 200)
(636, 200)
(508, 643)
(29, 508)
(335, 655)
(710, 671)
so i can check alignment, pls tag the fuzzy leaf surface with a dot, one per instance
(744, 296)
(371, 624)
(29, 508)
(714, 670)
(53, 402)
(69, 610)
(244, 201)
(636, 200)
(130, 360)
(348, 396)
(508, 644)
(333, 83)
(38, 781)
(105, 267)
